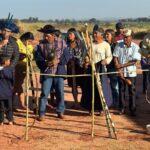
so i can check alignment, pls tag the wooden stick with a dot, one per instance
(93, 89)
(27, 102)
(103, 102)
(93, 86)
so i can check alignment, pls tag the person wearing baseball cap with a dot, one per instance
(126, 55)
(119, 32)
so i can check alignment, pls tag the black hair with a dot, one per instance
(112, 32)
(57, 33)
(98, 29)
(27, 36)
(71, 30)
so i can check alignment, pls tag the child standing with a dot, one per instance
(6, 89)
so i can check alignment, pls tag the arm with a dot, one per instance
(136, 57)
(39, 59)
(66, 56)
(130, 63)
(15, 55)
(120, 74)
(108, 56)
(6, 74)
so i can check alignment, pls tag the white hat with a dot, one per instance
(127, 32)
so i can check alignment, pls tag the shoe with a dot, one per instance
(23, 107)
(15, 110)
(90, 113)
(1, 124)
(122, 111)
(5, 121)
(101, 113)
(40, 118)
(35, 111)
(60, 116)
(133, 114)
(10, 123)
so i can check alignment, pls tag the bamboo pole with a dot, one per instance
(87, 44)
(93, 87)
(109, 121)
(27, 100)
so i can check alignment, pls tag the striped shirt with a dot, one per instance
(126, 54)
(42, 54)
(12, 50)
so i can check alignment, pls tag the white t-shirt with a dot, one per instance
(1, 68)
(102, 51)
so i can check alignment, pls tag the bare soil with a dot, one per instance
(74, 132)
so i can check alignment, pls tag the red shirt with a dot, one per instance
(118, 38)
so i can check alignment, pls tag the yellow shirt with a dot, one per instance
(25, 50)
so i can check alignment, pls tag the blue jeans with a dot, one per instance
(114, 83)
(6, 108)
(58, 83)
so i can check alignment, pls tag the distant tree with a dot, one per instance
(93, 20)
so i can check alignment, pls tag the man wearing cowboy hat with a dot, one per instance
(126, 54)
(51, 57)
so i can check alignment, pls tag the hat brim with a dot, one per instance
(49, 31)
(11, 26)
(120, 27)
(41, 30)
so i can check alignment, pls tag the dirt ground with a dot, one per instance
(74, 132)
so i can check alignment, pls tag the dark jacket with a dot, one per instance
(11, 49)
(40, 59)
(145, 63)
(6, 83)
(111, 65)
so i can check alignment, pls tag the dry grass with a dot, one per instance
(136, 27)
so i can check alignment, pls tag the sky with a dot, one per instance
(75, 9)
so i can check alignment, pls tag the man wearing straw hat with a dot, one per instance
(51, 57)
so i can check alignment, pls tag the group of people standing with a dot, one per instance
(112, 51)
